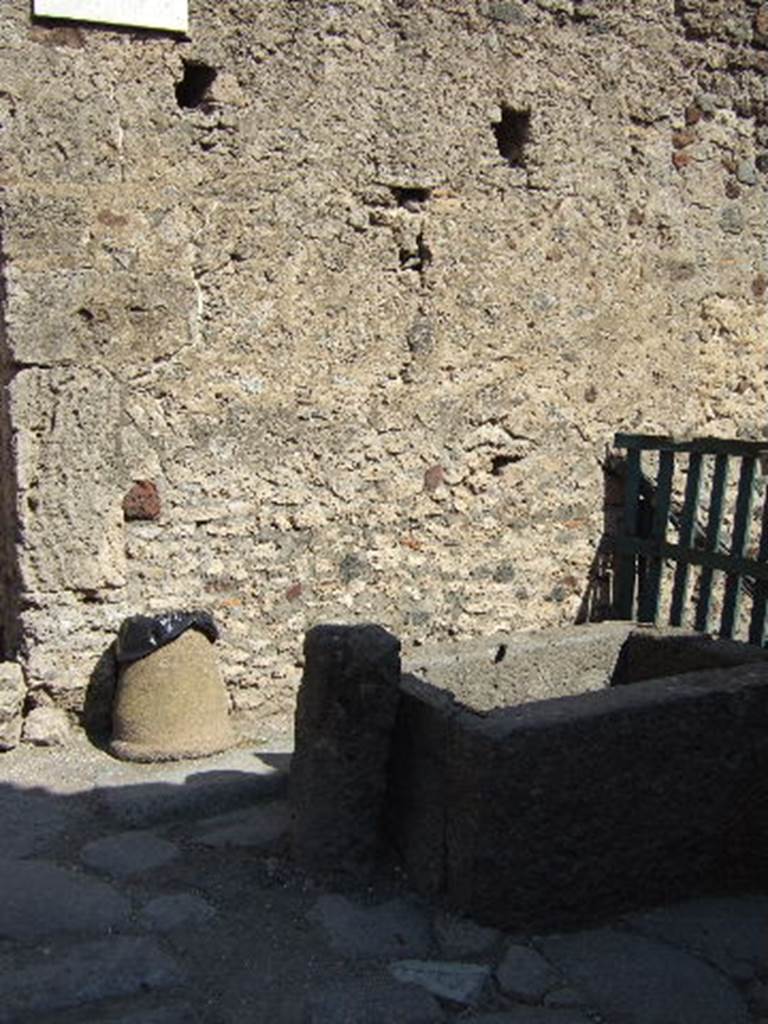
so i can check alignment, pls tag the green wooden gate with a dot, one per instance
(643, 547)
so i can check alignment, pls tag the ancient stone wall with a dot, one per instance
(329, 310)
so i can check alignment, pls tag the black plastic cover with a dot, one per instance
(140, 635)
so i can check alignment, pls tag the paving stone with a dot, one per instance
(149, 1015)
(256, 827)
(372, 1001)
(758, 997)
(459, 936)
(564, 997)
(128, 853)
(461, 983)
(390, 929)
(32, 819)
(525, 974)
(181, 910)
(644, 982)
(39, 899)
(239, 780)
(730, 932)
(534, 1015)
(110, 968)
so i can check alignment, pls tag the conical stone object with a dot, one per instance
(172, 704)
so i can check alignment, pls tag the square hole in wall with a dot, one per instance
(512, 134)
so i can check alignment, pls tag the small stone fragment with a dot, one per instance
(504, 572)
(746, 172)
(564, 997)
(524, 974)
(707, 102)
(732, 220)
(47, 727)
(12, 691)
(461, 983)
(129, 853)
(681, 160)
(352, 567)
(421, 336)
(683, 137)
(459, 936)
(181, 910)
(142, 502)
(433, 477)
(508, 12)
(371, 1001)
(693, 114)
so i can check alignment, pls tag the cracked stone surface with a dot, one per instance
(128, 853)
(39, 899)
(644, 982)
(256, 827)
(728, 932)
(373, 1001)
(526, 975)
(390, 929)
(459, 936)
(534, 1015)
(88, 973)
(178, 910)
(222, 935)
(461, 983)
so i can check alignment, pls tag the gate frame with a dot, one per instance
(641, 551)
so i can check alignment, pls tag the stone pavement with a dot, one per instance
(162, 894)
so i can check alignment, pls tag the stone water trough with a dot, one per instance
(571, 773)
(543, 779)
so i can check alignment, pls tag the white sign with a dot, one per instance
(170, 15)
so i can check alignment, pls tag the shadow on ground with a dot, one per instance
(162, 894)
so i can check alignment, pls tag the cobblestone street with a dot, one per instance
(162, 894)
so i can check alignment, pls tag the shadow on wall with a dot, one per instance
(10, 585)
(99, 696)
(597, 603)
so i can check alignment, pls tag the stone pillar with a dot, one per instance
(344, 720)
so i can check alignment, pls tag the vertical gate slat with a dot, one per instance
(714, 526)
(690, 509)
(760, 600)
(740, 539)
(649, 601)
(625, 572)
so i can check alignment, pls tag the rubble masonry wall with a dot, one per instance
(365, 312)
